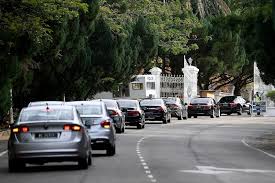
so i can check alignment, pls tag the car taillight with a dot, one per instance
(105, 124)
(133, 113)
(233, 104)
(72, 127)
(174, 106)
(190, 107)
(113, 113)
(160, 109)
(19, 129)
(207, 107)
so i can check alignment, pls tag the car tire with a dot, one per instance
(180, 117)
(118, 130)
(240, 111)
(111, 150)
(228, 114)
(195, 116)
(139, 126)
(16, 165)
(213, 114)
(219, 114)
(189, 116)
(83, 163)
(90, 159)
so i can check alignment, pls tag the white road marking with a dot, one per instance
(150, 176)
(146, 167)
(210, 170)
(251, 147)
(143, 163)
(3, 153)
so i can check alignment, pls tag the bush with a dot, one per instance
(271, 95)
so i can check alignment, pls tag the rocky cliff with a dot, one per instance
(204, 8)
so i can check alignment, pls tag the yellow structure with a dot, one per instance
(207, 93)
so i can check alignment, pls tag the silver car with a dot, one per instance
(48, 134)
(116, 114)
(100, 125)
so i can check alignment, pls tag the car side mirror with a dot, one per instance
(124, 110)
(87, 124)
(144, 108)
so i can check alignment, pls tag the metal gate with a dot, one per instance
(172, 86)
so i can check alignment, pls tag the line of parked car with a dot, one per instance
(55, 131)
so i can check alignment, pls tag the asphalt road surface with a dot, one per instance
(201, 150)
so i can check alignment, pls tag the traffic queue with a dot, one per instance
(56, 131)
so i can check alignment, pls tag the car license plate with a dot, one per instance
(46, 135)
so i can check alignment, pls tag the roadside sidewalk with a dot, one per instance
(4, 135)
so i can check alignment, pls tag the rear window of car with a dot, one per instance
(227, 99)
(151, 102)
(46, 115)
(127, 104)
(200, 101)
(89, 109)
(110, 104)
(170, 101)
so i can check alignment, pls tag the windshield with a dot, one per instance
(200, 101)
(89, 109)
(151, 102)
(127, 104)
(46, 115)
(227, 99)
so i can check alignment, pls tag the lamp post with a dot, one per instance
(11, 108)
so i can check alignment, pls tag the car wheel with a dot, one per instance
(83, 163)
(219, 114)
(111, 150)
(16, 165)
(139, 126)
(240, 111)
(90, 159)
(195, 116)
(228, 114)
(180, 117)
(118, 130)
(189, 116)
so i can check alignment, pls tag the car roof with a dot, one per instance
(49, 106)
(130, 100)
(43, 103)
(92, 102)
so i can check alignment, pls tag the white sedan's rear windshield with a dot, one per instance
(89, 109)
(46, 115)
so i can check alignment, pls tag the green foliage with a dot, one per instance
(271, 95)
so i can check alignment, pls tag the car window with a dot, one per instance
(151, 102)
(200, 101)
(89, 109)
(127, 104)
(46, 115)
(227, 99)
(110, 104)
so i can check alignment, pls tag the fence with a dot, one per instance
(172, 86)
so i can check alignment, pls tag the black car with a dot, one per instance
(177, 107)
(134, 115)
(156, 110)
(203, 106)
(234, 104)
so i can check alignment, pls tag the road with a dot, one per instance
(193, 151)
